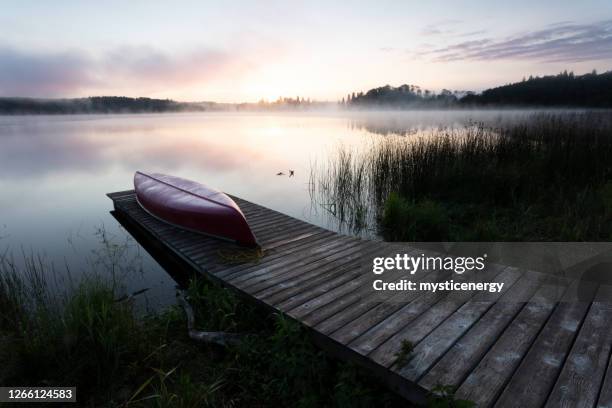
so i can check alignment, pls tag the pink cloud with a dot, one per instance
(126, 70)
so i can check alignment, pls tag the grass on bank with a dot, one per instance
(546, 178)
(83, 336)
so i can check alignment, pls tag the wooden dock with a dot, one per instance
(493, 350)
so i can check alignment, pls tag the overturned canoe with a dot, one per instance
(192, 206)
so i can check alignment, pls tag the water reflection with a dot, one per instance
(55, 170)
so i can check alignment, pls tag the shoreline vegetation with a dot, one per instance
(546, 177)
(564, 90)
(89, 334)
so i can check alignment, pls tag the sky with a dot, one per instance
(244, 51)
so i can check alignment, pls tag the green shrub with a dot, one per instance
(404, 220)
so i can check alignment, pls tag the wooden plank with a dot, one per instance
(372, 312)
(531, 383)
(209, 254)
(344, 304)
(200, 246)
(187, 244)
(605, 395)
(256, 282)
(298, 273)
(484, 384)
(120, 194)
(421, 326)
(283, 230)
(373, 337)
(582, 375)
(346, 298)
(363, 309)
(274, 256)
(184, 238)
(319, 281)
(284, 239)
(427, 352)
(277, 264)
(266, 218)
(464, 355)
(328, 284)
(293, 259)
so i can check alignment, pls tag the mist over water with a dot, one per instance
(56, 170)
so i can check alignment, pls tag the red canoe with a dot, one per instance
(192, 206)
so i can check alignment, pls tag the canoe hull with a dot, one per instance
(193, 206)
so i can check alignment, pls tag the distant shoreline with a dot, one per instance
(322, 111)
(562, 91)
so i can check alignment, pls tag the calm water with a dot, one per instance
(55, 171)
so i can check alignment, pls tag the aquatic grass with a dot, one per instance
(409, 221)
(341, 190)
(90, 336)
(218, 309)
(539, 179)
(83, 337)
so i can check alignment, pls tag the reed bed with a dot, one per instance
(545, 178)
(87, 333)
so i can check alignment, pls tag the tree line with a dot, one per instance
(562, 90)
(94, 104)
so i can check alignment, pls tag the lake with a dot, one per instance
(56, 170)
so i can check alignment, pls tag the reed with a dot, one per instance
(546, 178)
(86, 334)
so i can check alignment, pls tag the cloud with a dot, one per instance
(560, 42)
(440, 27)
(28, 74)
(144, 69)
(149, 66)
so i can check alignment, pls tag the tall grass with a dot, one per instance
(82, 335)
(547, 178)
(78, 335)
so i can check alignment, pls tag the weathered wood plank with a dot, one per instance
(486, 381)
(293, 260)
(330, 284)
(348, 326)
(258, 282)
(531, 383)
(365, 308)
(605, 395)
(436, 343)
(582, 375)
(272, 257)
(207, 255)
(421, 326)
(351, 299)
(466, 353)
